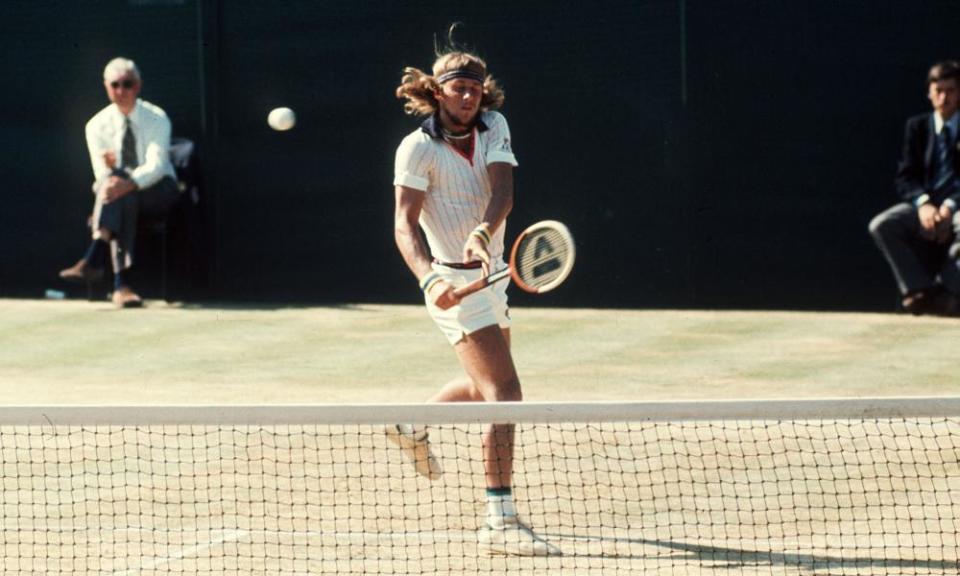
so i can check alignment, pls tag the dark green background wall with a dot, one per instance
(705, 153)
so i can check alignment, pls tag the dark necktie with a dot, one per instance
(128, 154)
(945, 171)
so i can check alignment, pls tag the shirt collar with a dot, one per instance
(134, 114)
(432, 126)
(952, 122)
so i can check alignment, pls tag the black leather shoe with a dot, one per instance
(935, 301)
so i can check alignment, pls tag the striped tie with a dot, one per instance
(128, 154)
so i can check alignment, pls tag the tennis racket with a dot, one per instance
(541, 259)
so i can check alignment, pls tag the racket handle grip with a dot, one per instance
(481, 283)
(475, 286)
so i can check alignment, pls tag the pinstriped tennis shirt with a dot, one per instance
(457, 187)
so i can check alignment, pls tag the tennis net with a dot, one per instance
(840, 486)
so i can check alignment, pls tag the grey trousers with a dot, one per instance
(917, 263)
(120, 217)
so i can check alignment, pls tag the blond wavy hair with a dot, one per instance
(419, 88)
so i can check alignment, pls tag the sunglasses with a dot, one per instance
(128, 84)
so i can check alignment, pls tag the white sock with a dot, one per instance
(500, 506)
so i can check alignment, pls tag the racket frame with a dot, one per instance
(567, 266)
(511, 272)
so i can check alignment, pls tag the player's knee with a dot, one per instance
(509, 391)
(503, 391)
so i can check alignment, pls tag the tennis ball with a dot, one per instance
(281, 119)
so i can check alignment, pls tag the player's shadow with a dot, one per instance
(721, 557)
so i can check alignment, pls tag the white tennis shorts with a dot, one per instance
(479, 310)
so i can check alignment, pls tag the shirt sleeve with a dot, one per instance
(412, 165)
(97, 144)
(156, 154)
(498, 138)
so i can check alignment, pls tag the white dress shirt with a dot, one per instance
(952, 122)
(150, 126)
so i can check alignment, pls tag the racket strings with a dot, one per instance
(542, 256)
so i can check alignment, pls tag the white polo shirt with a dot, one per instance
(457, 188)
(150, 126)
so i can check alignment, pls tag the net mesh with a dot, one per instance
(839, 496)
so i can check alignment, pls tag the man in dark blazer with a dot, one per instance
(915, 235)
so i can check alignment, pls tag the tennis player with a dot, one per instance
(454, 180)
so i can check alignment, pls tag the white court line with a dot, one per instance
(234, 535)
(229, 536)
(429, 535)
(434, 535)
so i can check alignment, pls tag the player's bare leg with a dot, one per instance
(462, 389)
(485, 356)
(415, 440)
(458, 390)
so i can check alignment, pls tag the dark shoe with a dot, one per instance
(944, 304)
(918, 303)
(934, 301)
(124, 297)
(82, 272)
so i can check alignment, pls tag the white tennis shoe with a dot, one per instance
(415, 444)
(513, 538)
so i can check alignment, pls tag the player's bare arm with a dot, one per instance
(501, 203)
(406, 232)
